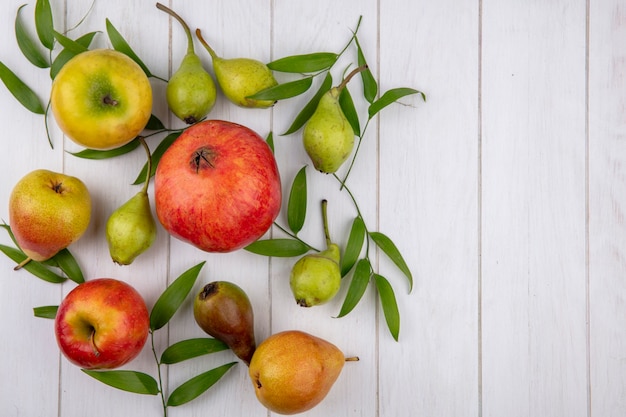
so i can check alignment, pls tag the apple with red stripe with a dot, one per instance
(102, 324)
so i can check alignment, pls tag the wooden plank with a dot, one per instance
(26, 346)
(533, 209)
(328, 28)
(233, 30)
(110, 183)
(428, 201)
(607, 202)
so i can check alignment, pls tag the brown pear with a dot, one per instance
(223, 310)
(293, 371)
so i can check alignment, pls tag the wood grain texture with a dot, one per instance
(505, 192)
(607, 202)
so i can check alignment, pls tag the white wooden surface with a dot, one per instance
(506, 192)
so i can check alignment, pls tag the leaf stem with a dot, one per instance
(358, 211)
(287, 232)
(149, 168)
(358, 24)
(356, 152)
(158, 363)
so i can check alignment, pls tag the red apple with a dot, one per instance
(102, 324)
(217, 187)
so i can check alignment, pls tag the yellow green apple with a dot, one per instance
(48, 211)
(101, 99)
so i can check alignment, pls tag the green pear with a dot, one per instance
(223, 310)
(315, 278)
(190, 91)
(328, 137)
(240, 78)
(131, 229)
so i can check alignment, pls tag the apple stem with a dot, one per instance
(352, 359)
(21, 264)
(149, 165)
(109, 101)
(325, 220)
(93, 342)
(205, 44)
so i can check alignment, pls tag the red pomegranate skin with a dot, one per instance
(217, 186)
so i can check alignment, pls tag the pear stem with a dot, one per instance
(149, 166)
(352, 359)
(349, 77)
(205, 44)
(21, 264)
(325, 220)
(190, 49)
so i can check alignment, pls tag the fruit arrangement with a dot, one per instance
(217, 187)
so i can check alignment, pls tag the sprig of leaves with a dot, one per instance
(354, 259)
(63, 261)
(163, 310)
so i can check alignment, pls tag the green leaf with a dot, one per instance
(154, 123)
(308, 110)
(27, 44)
(95, 154)
(197, 385)
(285, 90)
(156, 157)
(10, 232)
(296, 207)
(44, 23)
(390, 249)
(270, 141)
(281, 248)
(390, 306)
(120, 45)
(357, 288)
(354, 246)
(347, 106)
(314, 62)
(46, 312)
(191, 348)
(370, 87)
(173, 296)
(71, 45)
(389, 97)
(67, 54)
(20, 91)
(68, 264)
(131, 381)
(34, 267)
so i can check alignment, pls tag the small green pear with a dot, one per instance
(131, 229)
(328, 137)
(240, 78)
(315, 278)
(190, 91)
